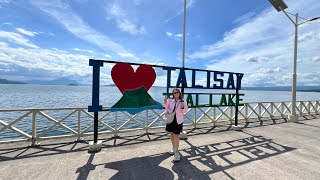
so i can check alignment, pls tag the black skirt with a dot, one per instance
(174, 126)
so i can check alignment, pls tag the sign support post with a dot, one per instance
(95, 145)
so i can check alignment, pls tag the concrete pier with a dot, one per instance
(269, 149)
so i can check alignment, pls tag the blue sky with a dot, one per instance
(44, 40)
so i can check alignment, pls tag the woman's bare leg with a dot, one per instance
(172, 140)
(176, 142)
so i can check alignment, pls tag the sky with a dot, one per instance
(46, 40)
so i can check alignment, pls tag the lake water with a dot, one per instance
(42, 96)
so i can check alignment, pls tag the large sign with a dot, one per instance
(134, 86)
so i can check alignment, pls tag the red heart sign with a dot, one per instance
(125, 78)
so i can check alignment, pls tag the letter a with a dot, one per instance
(182, 79)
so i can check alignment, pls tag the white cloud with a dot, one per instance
(7, 23)
(169, 34)
(73, 23)
(264, 44)
(316, 59)
(256, 59)
(4, 2)
(80, 1)
(115, 12)
(126, 55)
(176, 37)
(127, 26)
(17, 39)
(306, 36)
(269, 70)
(83, 50)
(3, 44)
(42, 63)
(245, 18)
(107, 56)
(252, 35)
(26, 32)
(190, 4)
(137, 2)
(310, 79)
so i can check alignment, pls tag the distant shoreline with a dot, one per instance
(309, 90)
(4, 81)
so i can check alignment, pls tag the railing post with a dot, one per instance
(115, 125)
(34, 129)
(260, 113)
(236, 117)
(195, 117)
(311, 107)
(246, 111)
(79, 125)
(147, 122)
(231, 114)
(214, 115)
(314, 106)
(271, 109)
(282, 109)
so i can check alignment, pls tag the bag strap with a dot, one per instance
(174, 109)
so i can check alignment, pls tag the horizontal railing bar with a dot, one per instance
(107, 108)
(210, 93)
(40, 109)
(152, 120)
(13, 141)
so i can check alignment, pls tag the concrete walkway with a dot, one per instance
(274, 149)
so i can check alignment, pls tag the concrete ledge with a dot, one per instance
(183, 135)
(293, 118)
(236, 128)
(95, 147)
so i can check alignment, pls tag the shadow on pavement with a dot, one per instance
(197, 162)
(10, 152)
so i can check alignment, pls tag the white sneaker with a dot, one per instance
(171, 152)
(176, 157)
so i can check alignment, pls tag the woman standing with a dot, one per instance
(175, 128)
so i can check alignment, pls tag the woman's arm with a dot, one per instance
(167, 105)
(183, 106)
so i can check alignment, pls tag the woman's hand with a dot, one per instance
(165, 100)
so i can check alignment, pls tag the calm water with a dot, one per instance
(41, 96)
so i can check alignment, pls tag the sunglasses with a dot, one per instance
(175, 93)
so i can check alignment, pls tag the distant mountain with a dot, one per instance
(110, 85)
(283, 88)
(308, 88)
(4, 81)
(59, 81)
